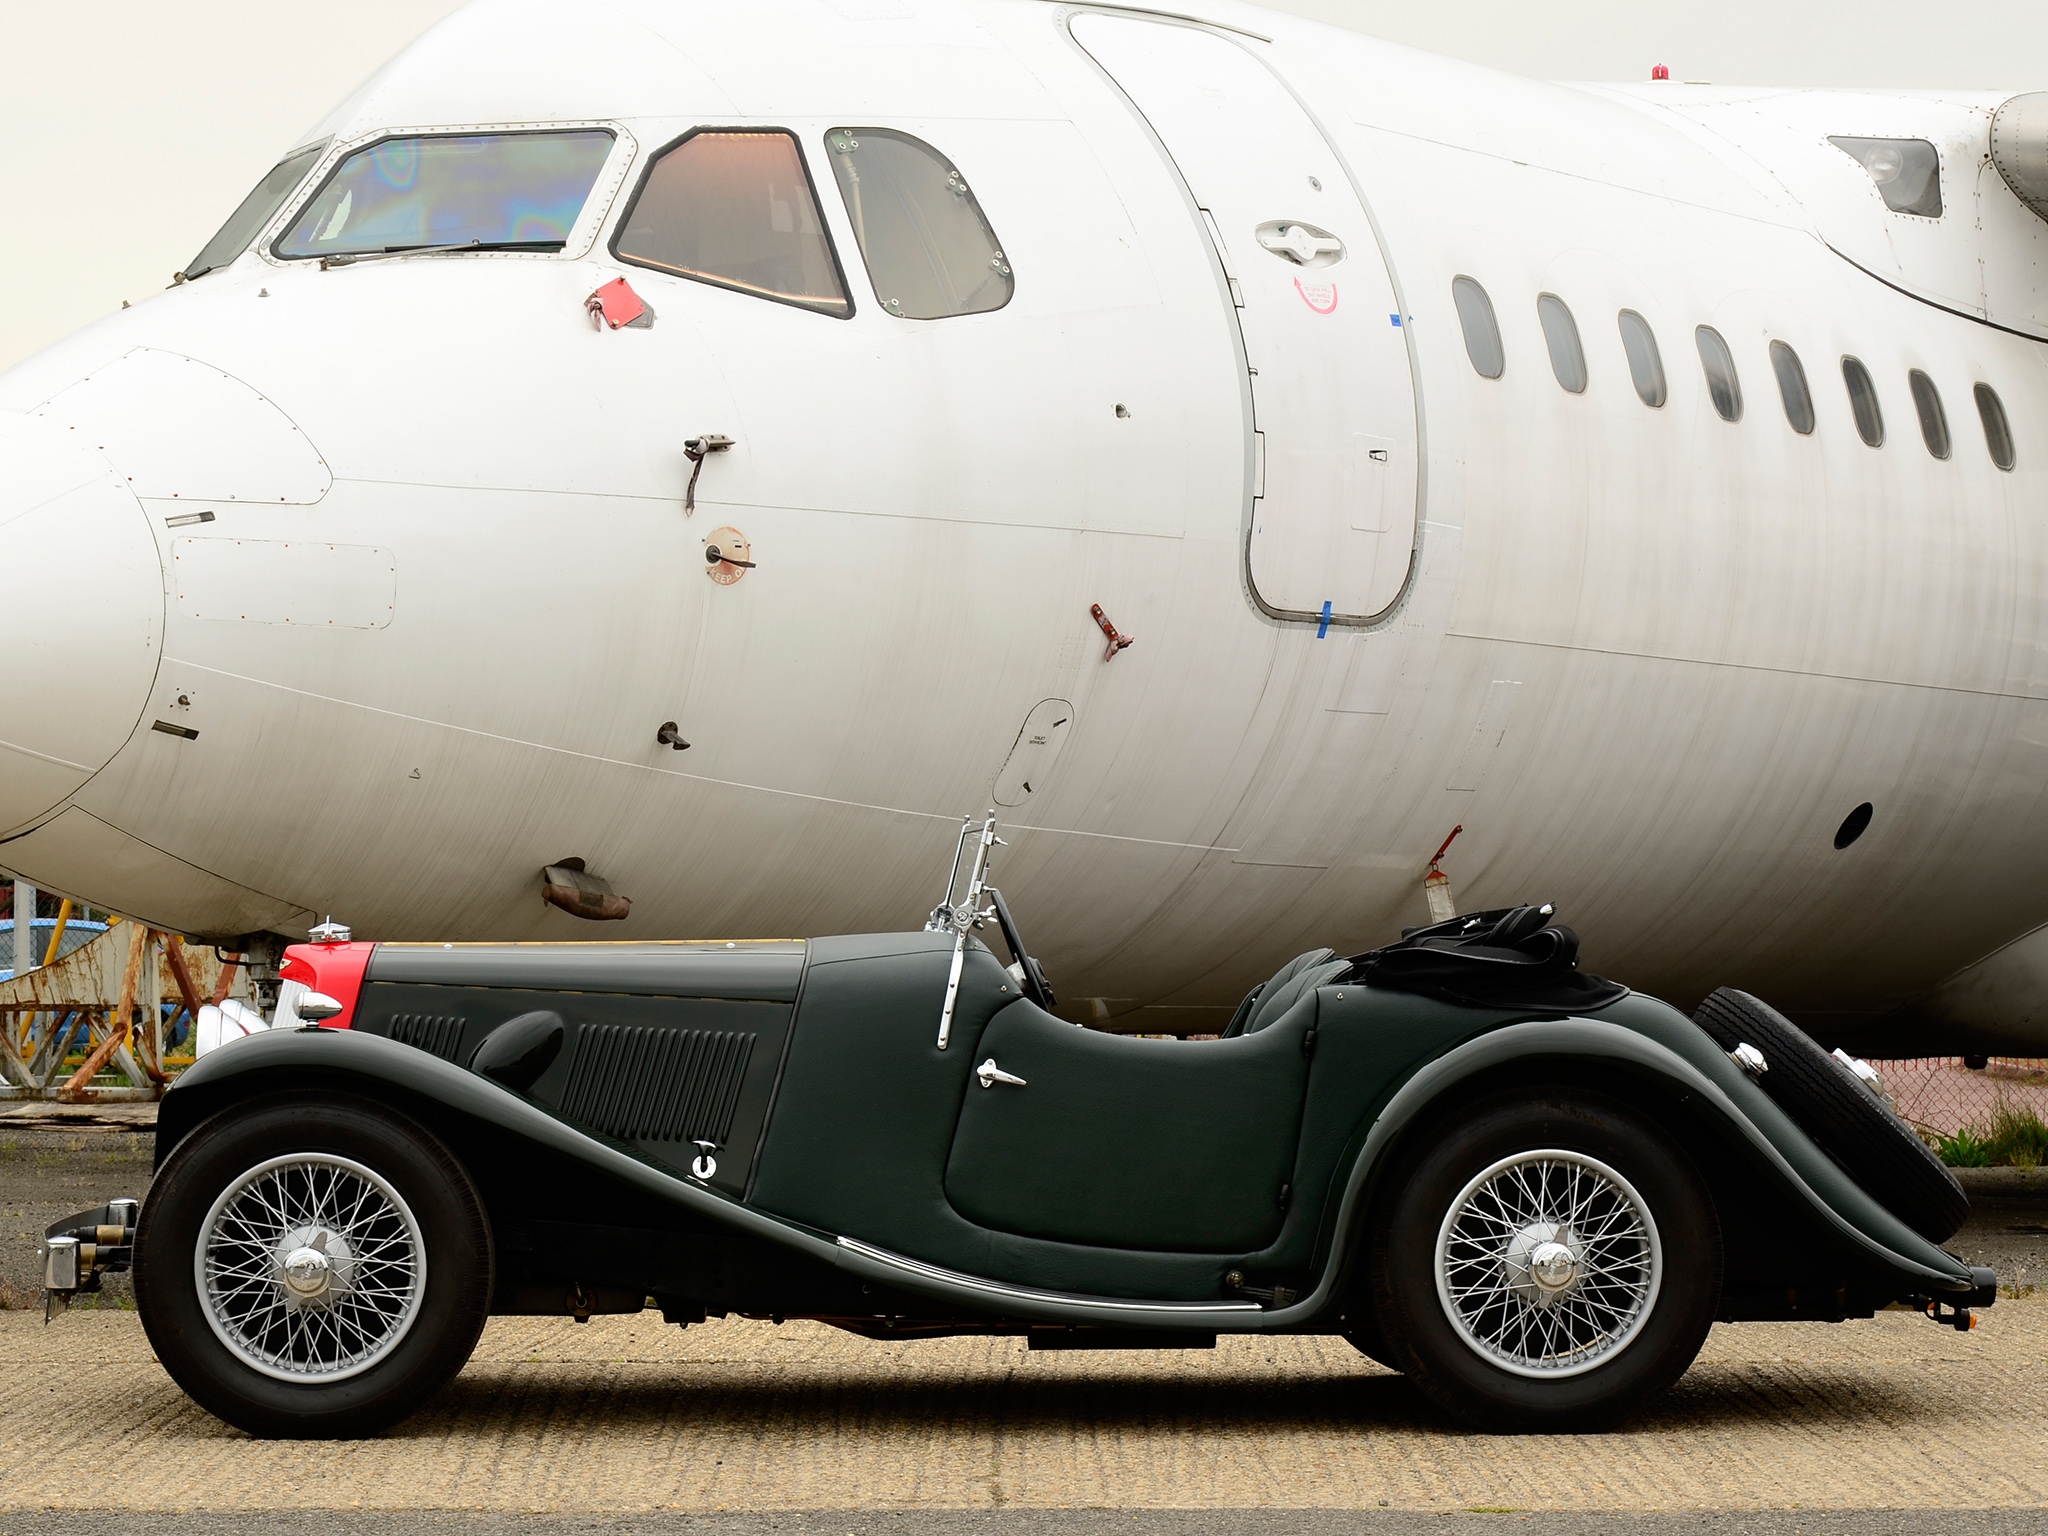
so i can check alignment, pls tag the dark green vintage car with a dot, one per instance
(1524, 1186)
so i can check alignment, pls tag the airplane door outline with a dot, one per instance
(1320, 378)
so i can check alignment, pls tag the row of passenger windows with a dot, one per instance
(1724, 387)
(726, 206)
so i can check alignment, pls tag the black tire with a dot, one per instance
(1518, 1390)
(1842, 1113)
(437, 1323)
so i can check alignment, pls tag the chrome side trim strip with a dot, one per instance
(1041, 1298)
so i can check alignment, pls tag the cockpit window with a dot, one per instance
(1561, 336)
(257, 210)
(735, 208)
(929, 248)
(1481, 328)
(1719, 365)
(482, 191)
(1907, 172)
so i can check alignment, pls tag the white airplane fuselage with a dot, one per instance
(1648, 658)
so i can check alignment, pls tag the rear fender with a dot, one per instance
(1690, 1070)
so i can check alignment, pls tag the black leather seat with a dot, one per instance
(1292, 982)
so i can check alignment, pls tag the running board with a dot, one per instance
(1063, 1306)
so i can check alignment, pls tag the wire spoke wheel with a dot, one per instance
(1548, 1263)
(310, 1267)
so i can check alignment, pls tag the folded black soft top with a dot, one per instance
(1510, 957)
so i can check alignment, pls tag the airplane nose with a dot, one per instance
(81, 616)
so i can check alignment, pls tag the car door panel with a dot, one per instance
(1120, 1142)
(864, 1116)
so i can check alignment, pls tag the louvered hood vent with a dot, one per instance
(438, 1034)
(637, 1083)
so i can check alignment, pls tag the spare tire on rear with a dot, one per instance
(1842, 1113)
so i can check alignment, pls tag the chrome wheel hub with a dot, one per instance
(310, 1267)
(1548, 1263)
(1541, 1264)
(314, 1266)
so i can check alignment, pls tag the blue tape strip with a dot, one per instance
(1396, 319)
(1323, 629)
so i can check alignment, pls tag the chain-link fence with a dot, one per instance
(1989, 1106)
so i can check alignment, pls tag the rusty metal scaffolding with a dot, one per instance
(98, 1013)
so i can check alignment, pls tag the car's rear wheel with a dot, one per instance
(1545, 1260)
(312, 1267)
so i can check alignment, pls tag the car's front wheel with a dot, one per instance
(312, 1267)
(1545, 1260)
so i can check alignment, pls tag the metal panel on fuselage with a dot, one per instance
(1334, 495)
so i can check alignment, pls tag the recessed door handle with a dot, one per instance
(988, 1074)
(1302, 244)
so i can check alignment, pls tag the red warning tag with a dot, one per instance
(615, 304)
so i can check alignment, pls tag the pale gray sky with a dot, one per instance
(129, 130)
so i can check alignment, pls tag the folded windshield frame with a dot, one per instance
(454, 193)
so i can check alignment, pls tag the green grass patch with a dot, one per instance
(2013, 1137)
(1965, 1149)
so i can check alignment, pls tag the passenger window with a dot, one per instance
(735, 208)
(1997, 431)
(1933, 419)
(1645, 362)
(1907, 172)
(1561, 335)
(928, 247)
(1719, 364)
(1482, 330)
(1863, 402)
(1792, 387)
(257, 210)
(486, 191)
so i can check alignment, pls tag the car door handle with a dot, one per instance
(988, 1074)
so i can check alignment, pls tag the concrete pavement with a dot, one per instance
(625, 1416)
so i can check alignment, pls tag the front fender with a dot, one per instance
(337, 1060)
